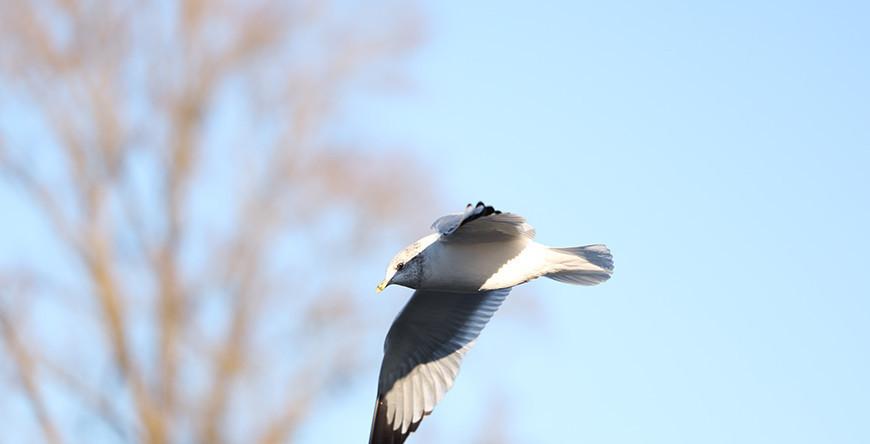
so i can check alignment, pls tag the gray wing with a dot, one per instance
(422, 353)
(482, 223)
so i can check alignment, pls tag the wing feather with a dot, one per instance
(422, 354)
(482, 223)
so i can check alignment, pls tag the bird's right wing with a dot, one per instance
(482, 223)
(422, 353)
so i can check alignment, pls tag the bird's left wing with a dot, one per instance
(422, 353)
(482, 223)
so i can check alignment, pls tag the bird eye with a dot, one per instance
(400, 266)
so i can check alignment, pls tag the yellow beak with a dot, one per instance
(381, 286)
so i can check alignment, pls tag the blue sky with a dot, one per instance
(722, 151)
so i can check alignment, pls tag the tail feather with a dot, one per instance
(586, 265)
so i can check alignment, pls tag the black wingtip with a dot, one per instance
(481, 210)
(382, 431)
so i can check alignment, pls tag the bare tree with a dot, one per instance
(202, 201)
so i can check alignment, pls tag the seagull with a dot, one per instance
(461, 273)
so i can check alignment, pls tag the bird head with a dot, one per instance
(406, 267)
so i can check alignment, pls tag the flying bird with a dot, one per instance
(461, 273)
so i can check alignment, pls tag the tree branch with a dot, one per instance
(27, 373)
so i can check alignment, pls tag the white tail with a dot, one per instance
(586, 265)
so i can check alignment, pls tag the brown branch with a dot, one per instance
(111, 304)
(229, 361)
(27, 373)
(99, 402)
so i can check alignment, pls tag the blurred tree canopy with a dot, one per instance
(205, 197)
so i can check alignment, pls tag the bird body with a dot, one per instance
(461, 274)
(460, 266)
